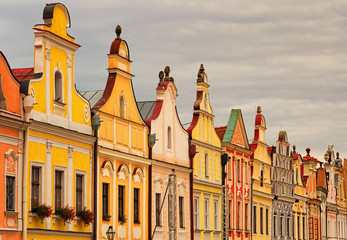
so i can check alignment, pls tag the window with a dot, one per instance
(120, 202)
(136, 205)
(229, 213)
(58, 87)
(79, 192)
(216, 213)
(298, 227)
(207, 214)
(157, 208)
(230, 164)
(261, 219)
(261, 178)
(275, 221)
(281, 226)
(206, 165)
(238, 170)
(169, 136)
(10, 193)
(2, 97)
(254, 219)
(288, 226)
(58, 196)
(181, 211)
(121, 107)
(105, 200)
(239, 215)
(267, 221)
(35, 186)
(196, 213)
(246, 216)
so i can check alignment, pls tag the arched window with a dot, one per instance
(58, 87)
(169, 136)
(261, 178)
(121, 107)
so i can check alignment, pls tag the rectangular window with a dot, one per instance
(136, 205)
(196, 213)
(206, 165)
(246, 216)
(239, 215)
(303, 228)
(10, 193)
(288, 227)
(79, 192)
(58, 196)
(229, 164)
(35, 186)
(267, 221)
(157, 208)
(238, 170)
(120, 202)
(216, 213)
(105, 200)
(281, 226)
(275, 229)
(298, 224)
(207, 214)
(181, 211)
(254, 219)
(261, 219)
(229, 213)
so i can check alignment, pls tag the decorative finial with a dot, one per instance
(118, 31)
(259, 109)
(294, 149)
(337, 155)
(167, 72)
(202, 69)
(201, 73)
(172, 79)
(161, 77)
(308, 150)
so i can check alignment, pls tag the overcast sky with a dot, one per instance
(289, 57)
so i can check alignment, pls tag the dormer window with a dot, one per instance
(58, 87)
(169, 136)
(121, 107)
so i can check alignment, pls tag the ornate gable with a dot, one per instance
(235, 132)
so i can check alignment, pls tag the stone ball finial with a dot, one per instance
(259, 109)
(202, 67)
(294, 147)
(167, 70)
(161, 75)
(337, 155)
(118, 31)
(308, 150)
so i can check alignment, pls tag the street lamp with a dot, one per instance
(110, 233)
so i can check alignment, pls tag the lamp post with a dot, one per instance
(110, 233)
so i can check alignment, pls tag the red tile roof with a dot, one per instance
(308, 157)
(108, 90)
(220, 132)
(23, 73)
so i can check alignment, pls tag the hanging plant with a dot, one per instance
(122, 219)
(42, 210)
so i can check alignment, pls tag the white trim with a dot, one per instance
(84, 184)
(129, 204)
(64, 197)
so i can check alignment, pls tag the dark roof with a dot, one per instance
(92, 96)
(23, 73)
(146, 108)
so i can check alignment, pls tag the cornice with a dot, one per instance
(61, 132)
(13, 123)
(36, 231)
(158, 163)
(238, 148)
(203, 112)
(121, 156)
(207, 183)
(206, 145)
(262, 194)
(120, 72)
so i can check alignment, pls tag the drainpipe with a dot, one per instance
(151, 142)
(252, 208)
(95, 127)
(192, 152)
(28, 106)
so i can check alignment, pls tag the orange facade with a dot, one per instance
(12, 127)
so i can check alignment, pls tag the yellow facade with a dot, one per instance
(207, 182)
(262, 187)
(59, 140)
(123, 162)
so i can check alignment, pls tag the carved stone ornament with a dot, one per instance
(48, 54)
(158, 184)
(138, 175)
(123, 172)
(69, 62)
(137, 233)
(181, 188)
(107, 169)
(86, 113)
(122, 232)
(70, 152)
(48, 147)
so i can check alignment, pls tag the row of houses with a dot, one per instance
(100, 165)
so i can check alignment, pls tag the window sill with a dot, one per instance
(198, 230)
(55, 217)
(31, 215)
(208, 230)
(11, 213)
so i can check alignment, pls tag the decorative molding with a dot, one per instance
(48, 54)
(70, 151)
(69, 62)
(158, 183)
(86, 113)
(138, 175)
(49, 147)
(137, 233)
(181, 187)
(107, 168)
(123, 172)
(121, 232)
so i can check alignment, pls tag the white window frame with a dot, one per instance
(216, 214)
(169, 138)
(42, 183)
(84, 184)
(196, 212)
(58, 70)
(207, 213)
